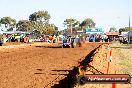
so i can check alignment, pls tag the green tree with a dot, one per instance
(71, 24)
(87, 23)
(8, 22)
(36, 32)
(71, 21)
(49, 29)
(113, 29)
(40, 22)
(24, 25)
(126, 29)
(40, 16)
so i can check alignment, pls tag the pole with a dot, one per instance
(71, 29)
(129, 21)
(129, 31)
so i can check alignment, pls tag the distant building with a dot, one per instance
(94, 31)
(80, 32)
(112, 35)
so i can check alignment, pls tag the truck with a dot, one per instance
(130, 37)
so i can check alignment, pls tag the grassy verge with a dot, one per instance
(124, 55)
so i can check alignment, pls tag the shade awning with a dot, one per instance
(112, 33)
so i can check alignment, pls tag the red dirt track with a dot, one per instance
(33, 67)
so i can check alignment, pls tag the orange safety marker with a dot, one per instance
(110, 60)
(113, 85)
(108, 67)
(110, 55)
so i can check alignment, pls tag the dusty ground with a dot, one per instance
(27, 66)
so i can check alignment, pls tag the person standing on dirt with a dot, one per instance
(72, 42)
(120, 40)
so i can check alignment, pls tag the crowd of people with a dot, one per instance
(96, 38)
(123, 40)
(64, 39)
(28, 38)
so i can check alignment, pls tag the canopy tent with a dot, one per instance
(123, 34)
(112, 33)
(12, 32)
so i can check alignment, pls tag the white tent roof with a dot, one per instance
(12, 32)
(124, 34)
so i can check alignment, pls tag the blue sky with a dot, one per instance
(105, 13)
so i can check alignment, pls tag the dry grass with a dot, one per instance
(123, 58)
(123, 54)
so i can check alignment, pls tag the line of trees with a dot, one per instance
(38, 23)
(126, 29)
(77, 25)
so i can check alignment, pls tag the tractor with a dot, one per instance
(70, 42)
